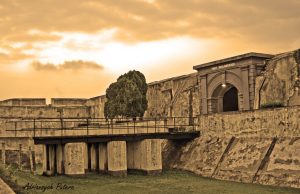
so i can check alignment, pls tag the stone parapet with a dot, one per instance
(278, 122)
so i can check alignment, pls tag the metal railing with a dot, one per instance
(45, 127)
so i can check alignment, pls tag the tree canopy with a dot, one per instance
(127, 96)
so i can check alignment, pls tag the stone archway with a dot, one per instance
(230, 100)
(226, 97)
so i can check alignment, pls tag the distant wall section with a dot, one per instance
(280, 82)
(178, 96)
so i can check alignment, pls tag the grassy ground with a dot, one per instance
(168, 182)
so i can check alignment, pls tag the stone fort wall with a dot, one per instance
(180, 96)
(260, 146)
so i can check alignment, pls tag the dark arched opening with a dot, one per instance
(230, 100)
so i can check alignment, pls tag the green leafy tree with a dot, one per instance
(127, 96)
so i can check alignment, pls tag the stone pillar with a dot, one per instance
(94, 158)
(30, 153)
(74, 158)
(49, 157)
(240, 101)
(203, 94)
(44, 158)
(103, 163)
(145, 155)
(252, 75)
(20, 156)
(52, 162)
(133, 157)
(117, 160)
(212, 104)
(60, 158)
(245, 87)
(3, 153)
(85, 157)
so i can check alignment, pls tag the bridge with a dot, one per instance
(74, 146)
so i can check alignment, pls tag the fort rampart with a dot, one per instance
(250, 144)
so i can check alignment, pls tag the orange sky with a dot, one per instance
(75, 48)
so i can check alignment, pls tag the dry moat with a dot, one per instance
(167, 182)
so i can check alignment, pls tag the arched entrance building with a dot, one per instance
(229, 84)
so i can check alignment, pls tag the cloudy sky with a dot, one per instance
(76, 48)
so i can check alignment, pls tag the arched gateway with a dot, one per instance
(230, 100)
(229, 84)
(224, 98)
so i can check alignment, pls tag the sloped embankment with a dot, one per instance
(230, 148)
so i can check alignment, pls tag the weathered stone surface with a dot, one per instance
(94, 157)
(103, 160)
(200, 155)
(283, 168)
(145, 155)
(243, 159)
(24, 102)
(117, 160)
(280, 122)
(254, 132)
(213, 154)
(60, 158)
(280, 81)
(74, 158)
(176, 96)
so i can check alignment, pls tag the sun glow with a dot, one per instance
(115, 56)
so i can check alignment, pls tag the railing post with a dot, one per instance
(155, 125)
(20, 156)
(3, 153)
(87, 126)
(33, 127)
(165, 124)
(61, 126)
(112, 127)
(134, 126)
(41, 128)
(108, 126)
(147, 127)
(174, 123)
(16, 129)
(194, 123)
(127, 127)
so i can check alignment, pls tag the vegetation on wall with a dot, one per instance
(297, 56)
(272, 105)
(127, 96)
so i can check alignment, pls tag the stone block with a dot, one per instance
(74, 158)
(117, 160)
(145, 155)
(60, 158)
(94, 157)
(103, 163)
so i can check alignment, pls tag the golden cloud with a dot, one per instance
(139, 20)
(67, 65)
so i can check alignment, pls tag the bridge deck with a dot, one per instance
(65, 130)
(116, 137)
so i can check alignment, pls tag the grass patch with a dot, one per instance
(168, 182)
(7, 175)
(272, 105)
